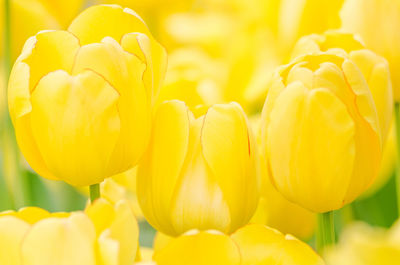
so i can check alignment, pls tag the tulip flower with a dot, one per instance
(28, 17)
(320, 132)
(361, 244)
(374, 68)
(80, 100)
(250, 245)
(104, 234)
(356, 17)
(199, 173)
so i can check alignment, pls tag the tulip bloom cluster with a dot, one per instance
(97, 104)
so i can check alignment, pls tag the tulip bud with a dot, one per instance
(356, 17)
(320, 132)
(80, 100)
(374, 68)
(105, 235)
(199, 172)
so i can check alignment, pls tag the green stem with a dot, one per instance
(94, 192)
(397, 121)
(326, 231)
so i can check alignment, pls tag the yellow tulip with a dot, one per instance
(29, 17)
(361, 244)
(250, 245)
(374, 68)
(195, 168)
(80, 100)
(320, 132)
(105, 235)
(193, 77)
(368, 18)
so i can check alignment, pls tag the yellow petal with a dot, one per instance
(262, 245)
(62, 241)
(32, 215)
(303, 171)
(198, 249)
(76, 125)
(155, 56)
(100, 21)
(12, 233)
(124, 72)
(230, 153)
(159, 171)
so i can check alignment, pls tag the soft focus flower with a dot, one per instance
(29, 17)
(80, 100)
(250, 245)
(361, 244)
(320, 132)
(194, 78)
(103, 235)
(374, 68)
(122, 186)
(195, 168)
(377, 21)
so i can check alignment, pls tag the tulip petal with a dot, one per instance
(12, 233)
(198, 249)
(156, 59)
(100, 21)
(227, 149)
(163, 162)
(61, 241)
(75, 117)
(124, 72)
(259, 244)
(300, 124)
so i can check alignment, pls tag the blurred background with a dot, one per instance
(219, 51)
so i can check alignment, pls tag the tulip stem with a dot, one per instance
(397, 120)
(326, 231)
(94, 192)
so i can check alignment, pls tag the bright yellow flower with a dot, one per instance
(361, 244)
(105, 235)
(30, 16)
(193, 77)
(80, 100)
(374, 68)
(368, 18)
(250, 245)
(195, 168)
(320, 132)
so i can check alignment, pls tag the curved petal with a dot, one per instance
(75, 123)
(198, 249)
(62, 241)
(300, 125)
(155, 56)
(259, 244)
(12, 233)
(158, 173)
(100, 21)
(124, 72)
(226, 146)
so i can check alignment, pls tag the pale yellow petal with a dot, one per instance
(62, 241)
(76, 124)
(198, 249)
(160, 169)
(12, 233)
